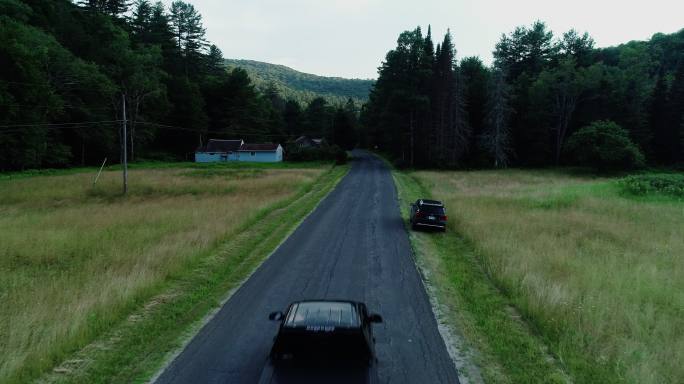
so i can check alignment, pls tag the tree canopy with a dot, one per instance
(428, 109)
(67, 69)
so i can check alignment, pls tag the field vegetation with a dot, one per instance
(651, 185)
(76, 259)
(595, 271)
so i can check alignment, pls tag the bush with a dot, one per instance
(659, 184)
(604, 145)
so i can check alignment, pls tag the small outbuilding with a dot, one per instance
(309, 142)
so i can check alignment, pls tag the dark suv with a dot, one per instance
(428, 214)
(321, 340)
(324, 329)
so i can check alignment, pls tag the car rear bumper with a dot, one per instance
(430, 224)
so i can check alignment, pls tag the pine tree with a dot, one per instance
(94, 5)
(496, 140)
(578, 46)
(658, 120)
(141, 20)
(272, 94)
(189, 34)
(160, 29)
(117, 8)
(214, 61)
(293, 118)
(443, 80)
(114, 8)
(476, 83)
(676, 119)
(459, 130)
(450, 127)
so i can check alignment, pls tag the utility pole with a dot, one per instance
(124, 142)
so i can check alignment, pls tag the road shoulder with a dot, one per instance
(486, 338)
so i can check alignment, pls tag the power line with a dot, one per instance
(76, 125)
(57, 124)
(66, 106)
(67, 86)
(173, 127)
(8, 131)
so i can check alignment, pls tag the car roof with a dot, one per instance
(430, 202)
(321, 313)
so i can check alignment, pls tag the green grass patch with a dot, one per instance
(507, 350)
(663, 184)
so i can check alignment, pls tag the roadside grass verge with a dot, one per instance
(13, 175)
(102, 287)
(494, 338)
(597, 275)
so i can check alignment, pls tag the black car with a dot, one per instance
(428, 214)
(323, 340)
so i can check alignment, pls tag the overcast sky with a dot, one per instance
(349, 38)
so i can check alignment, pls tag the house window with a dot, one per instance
(252, 153)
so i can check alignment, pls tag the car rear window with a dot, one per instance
(432, 209)
(322, 314)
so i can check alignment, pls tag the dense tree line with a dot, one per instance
(429, 110)
(68, 68)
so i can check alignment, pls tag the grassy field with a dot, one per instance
(77, 261)
(554, 277)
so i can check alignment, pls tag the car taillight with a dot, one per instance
(444, 218)
(419, 214)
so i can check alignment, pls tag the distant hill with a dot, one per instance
(304, 87)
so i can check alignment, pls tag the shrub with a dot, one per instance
(604, 145)
(662, 184)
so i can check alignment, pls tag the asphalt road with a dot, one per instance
(353, 246)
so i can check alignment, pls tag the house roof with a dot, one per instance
(259, 147)
(223, 145)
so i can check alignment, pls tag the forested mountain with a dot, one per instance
(304, 87)
(547, 100)
(71, 72)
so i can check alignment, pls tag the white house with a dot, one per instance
(261, 153)
(237, 150)
(219, 150)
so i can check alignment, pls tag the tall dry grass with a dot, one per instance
(74, 258)
(601, 276)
